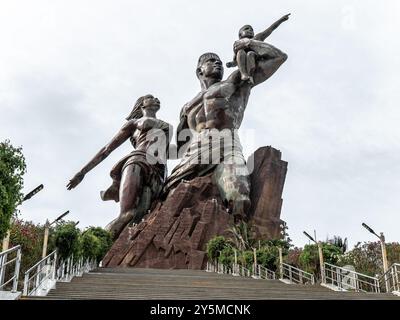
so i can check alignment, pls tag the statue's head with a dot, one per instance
(209, 65)
(148, 102)
(246, 32)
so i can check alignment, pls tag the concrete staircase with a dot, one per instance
(145, 284)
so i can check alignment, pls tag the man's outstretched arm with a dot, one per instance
(270, 59)
(267, 67)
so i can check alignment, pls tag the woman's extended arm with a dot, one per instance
(123, 134)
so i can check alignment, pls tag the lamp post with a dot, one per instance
(381, 238)
(6, 240)
(46, 232)
(320, 254)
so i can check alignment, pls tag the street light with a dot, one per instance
(46, 232)
(309, 237)
(6, 240)
(320, 254)
(381, 238)
(33, 192)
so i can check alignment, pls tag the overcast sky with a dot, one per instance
(70, 72)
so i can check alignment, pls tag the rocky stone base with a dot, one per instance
(175, 233)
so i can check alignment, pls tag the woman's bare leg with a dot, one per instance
(129, 195)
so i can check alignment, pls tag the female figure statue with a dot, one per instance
(138, 177)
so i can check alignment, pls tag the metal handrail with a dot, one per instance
(4, 263)
(261, 272)
(392, 278)
(258, 272)
(45, 270)
(346, 279)
(296, 275)
(70, 268)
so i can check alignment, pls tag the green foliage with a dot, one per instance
(339, 242)
(367, 257)
(66, 239)
(30, 236)
(101, 243)
(227, 256)
(215, 246)
(285, 233)
(90, 246)
(293, 257)
(241, 236)
(268, 256)
(393, 252)
(309, 258)
(246, 258)
(12, 168)
(243, 242)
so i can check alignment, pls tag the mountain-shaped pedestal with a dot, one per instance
(175, 233)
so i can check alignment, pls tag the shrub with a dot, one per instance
(215, 246)
(227, 256)
(246, 259)
(268, 257)
(367, 257)
(105, 241)
(12, 168)
(66, 239)
(90, 246)
(309, 258)
(30, 236)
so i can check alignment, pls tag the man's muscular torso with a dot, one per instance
(220, 107)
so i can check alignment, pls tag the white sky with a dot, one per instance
(71, 70)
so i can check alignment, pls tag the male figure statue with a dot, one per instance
(219, 107)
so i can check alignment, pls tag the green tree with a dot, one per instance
(12, 169)
(227, 256)
(367, 257)
(215, 246)
(90, 245)
(309, 258)
(242, 241)
(105, 241)
(65, 238)
(242, 238)
(30, 236)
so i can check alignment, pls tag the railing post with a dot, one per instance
(301, 277)
(37, 277)
(338, 278)
(3, 268)
(376, 284)
(16, 270)
(280, 263)
(54, 266)
(26, 284)
(6, 240)
(396, 273)
(357, 285)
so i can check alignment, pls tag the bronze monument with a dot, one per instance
(213, 186)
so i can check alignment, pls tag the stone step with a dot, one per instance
(148, 284)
